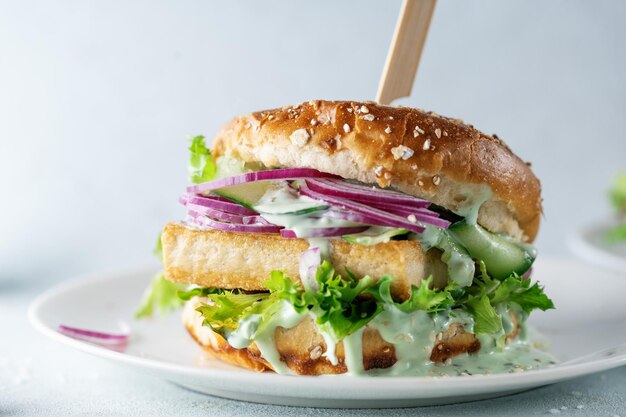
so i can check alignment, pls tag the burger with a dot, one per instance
(336, 237)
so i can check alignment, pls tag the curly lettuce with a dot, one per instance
(343, 305)
(161, 295)
(201, 165)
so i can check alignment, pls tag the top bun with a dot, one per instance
(416, 152)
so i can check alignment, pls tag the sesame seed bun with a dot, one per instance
(419, 153)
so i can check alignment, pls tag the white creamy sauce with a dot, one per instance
(247, 332)
(285, 207)
(460, 265)
(331, 348)
(353, 352)
(412, 335)
(476, 200)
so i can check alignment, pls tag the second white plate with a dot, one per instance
(591, 245)
(587, 319)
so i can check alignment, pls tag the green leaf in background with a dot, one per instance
(161, 295)
(618, 193)
(201, 165)
(616, 234)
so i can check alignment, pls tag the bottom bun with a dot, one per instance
(302, 346)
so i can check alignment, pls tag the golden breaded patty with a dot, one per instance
(213, 258)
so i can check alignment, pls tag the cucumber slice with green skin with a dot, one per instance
(501, 256)
(245, 194)
(374, 235)
(297, 212)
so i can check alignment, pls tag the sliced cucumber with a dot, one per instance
(501, 256)
(245, 194)
(228, 166)
(374, 235)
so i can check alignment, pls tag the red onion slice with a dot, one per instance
(110, 340)
(367, 214)
(220, 204)
(205, 221)
(322, 232)
(267, 175)
(363, 193)
(217, 214)
(310, 260)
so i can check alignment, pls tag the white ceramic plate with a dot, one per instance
(590, 316)
(590, 244)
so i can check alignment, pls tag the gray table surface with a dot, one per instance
(39, 377)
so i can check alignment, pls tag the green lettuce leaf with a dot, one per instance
(335, 306)
(422, 298)
(160, 295)
(158, 250)
(229, 308)
(201, 165)
(188, 294)
(518, 290)
(343, 305)
(486, 320)
(284, 289)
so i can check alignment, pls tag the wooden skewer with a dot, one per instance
(405, 51)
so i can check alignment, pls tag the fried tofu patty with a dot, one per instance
(213, 258)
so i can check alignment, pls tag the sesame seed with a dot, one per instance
(402, 152)
(426, 145)
(436, 179)
(390, 117)
(388, 130)
(387, 175)
(438, 133)
(412, 218)
(323, 119)
(313, 122)
(299, 137)
(445, 133)
(368, 117)
(346, 128)
(378, 171)
(414, 166)
(364, 109)
(316, 352)
(420, 183)
(349, 110)
(270, 117)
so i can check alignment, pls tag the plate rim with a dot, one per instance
(387, 387)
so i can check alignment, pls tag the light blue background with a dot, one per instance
(96, 99)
